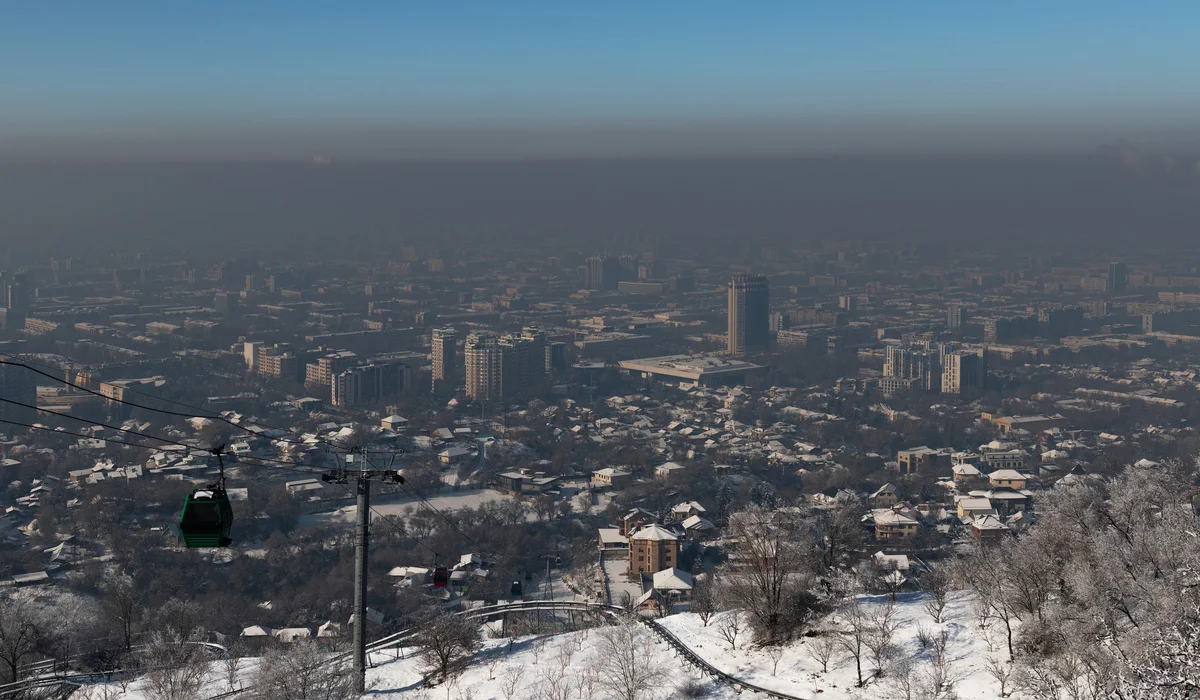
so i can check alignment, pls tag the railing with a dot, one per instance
(487, 611)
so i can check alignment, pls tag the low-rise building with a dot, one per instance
(652, 549)
(612, 477)
(891, 524)
(1008, 478)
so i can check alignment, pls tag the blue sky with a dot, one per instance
(295, 77)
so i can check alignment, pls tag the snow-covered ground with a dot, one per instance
(798, 673)
(536, 660)
(616, 567)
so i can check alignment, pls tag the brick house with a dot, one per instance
(652, 549)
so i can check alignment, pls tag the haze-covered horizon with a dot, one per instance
(718, 205)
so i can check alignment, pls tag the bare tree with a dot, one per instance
(630, 672)
(903, 677)
(774, 653)
(586, 678)
(302, 671)
(447, 642)
(231, 665)
(493, 663)
(822, 647)
(776, 573)
(840, 529)
(20, 632)
(121, 607)
(553, 683)
(937, 583)
(175, 665)
(881, 630)
(1001, 671)
(730, 627)
(564, 656)
(510, 682)
(539, 645)
(854, 637)
(704, 598)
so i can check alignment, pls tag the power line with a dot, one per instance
(163, 411)
(151, 448)
(422, 499)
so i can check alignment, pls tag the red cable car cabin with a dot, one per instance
(441, 577)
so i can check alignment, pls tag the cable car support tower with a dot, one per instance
(362, 475)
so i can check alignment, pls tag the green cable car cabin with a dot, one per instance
(207, 519)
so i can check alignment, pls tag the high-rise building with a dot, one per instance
(1117, 278)
(749, 314)
(356, 386)
(515, 367)
(225, 303)
(556, 357)
(956, 316)
(539, 365)
(602, 272)
(18, 384)
(481, 362)
(250, 351)
(964, 371)
(503, 368)
(320, 373)
(445, 359)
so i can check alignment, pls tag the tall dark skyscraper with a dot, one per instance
(749, 314)
(18, 384)
(1117, 278)
(602, 273)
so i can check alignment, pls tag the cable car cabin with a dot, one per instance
(207, 519)
(441, 577)
(516, 588)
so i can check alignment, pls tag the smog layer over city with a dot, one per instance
(551, 351)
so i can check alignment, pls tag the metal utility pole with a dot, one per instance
(360, 584)
(362, 478)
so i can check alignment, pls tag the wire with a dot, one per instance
(423, 500)
(151, 448)
(102, 425)
(163, 411)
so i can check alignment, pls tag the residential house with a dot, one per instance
(673, 583)
(611, 540)
(894, 523)
(616, 479)
(697, 527)
(636, 519)
(922, 459)
(513, 482)
(454, 455)
(966, 474)
(971, 507)
(652, 549)
(670, 472)
(1006, 459)
(683, 511)
(1008, 478)
(885, 496)
(987, 529)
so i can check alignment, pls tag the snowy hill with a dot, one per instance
(536, 661)
(556, 666)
